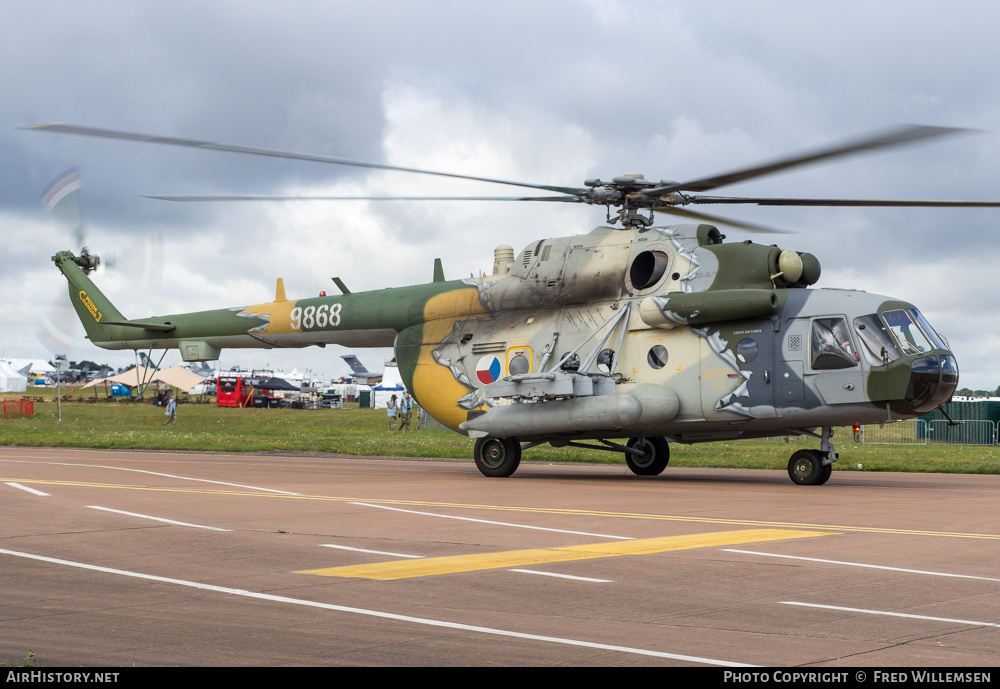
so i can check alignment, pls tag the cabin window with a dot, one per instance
(746, 350)
(518, 365)
(606, 360)
(657, 357)
(571, 363)
(830, 344)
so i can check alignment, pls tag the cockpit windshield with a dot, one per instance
(911, 337)
(911, 334)
(932, 335)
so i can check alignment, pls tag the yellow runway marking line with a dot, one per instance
(520, 509)
(407, 569)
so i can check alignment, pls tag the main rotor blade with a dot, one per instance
(698, 215)
(845, 202)
(896, 137)
(250, 150)
(187, 199)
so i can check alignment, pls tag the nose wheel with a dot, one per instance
(806, 468)
(813, 467)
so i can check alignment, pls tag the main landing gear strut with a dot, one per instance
(500, 457)
(813, 467)
(649, 456)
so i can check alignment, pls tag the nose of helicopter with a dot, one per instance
(933, 380)
(921, 370)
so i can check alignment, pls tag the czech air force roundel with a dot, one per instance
(488, 370)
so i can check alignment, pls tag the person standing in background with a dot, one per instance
(391, 407)
(405, 410)
(171, 412)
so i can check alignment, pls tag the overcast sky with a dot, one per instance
(552, 92)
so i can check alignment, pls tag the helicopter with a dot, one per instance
(628, 338)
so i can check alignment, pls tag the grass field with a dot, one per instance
(354, 431)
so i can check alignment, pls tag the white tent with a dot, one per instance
(138, 375)
(11, 380)
(293, 377)
(31, 366)
(392, 384)
(31, 369)
(175, 376)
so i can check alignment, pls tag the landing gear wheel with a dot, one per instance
(497, 457)
(654, 458)
(827, 471)
(806, 468)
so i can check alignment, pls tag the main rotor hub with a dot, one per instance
(631, 193)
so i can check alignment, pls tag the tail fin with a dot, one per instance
(93, 308)
(356, 366)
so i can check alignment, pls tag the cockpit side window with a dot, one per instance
(875, 340)
(830, 344)
(908, 334)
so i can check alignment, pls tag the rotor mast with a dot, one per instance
(630, 193)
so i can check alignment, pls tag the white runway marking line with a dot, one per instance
(156, 473)
(891, 614)
(362, 550)
(156, 519)
(33, 491)
(487, 521)
(563, 576)
(861, 564)
(379, 614)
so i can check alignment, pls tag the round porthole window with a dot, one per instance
(746, 350)
(657, 356)
(518, 365)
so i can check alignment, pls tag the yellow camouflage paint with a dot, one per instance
(437, 388)
(276, 313)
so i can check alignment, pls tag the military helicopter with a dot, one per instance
(627, 338)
